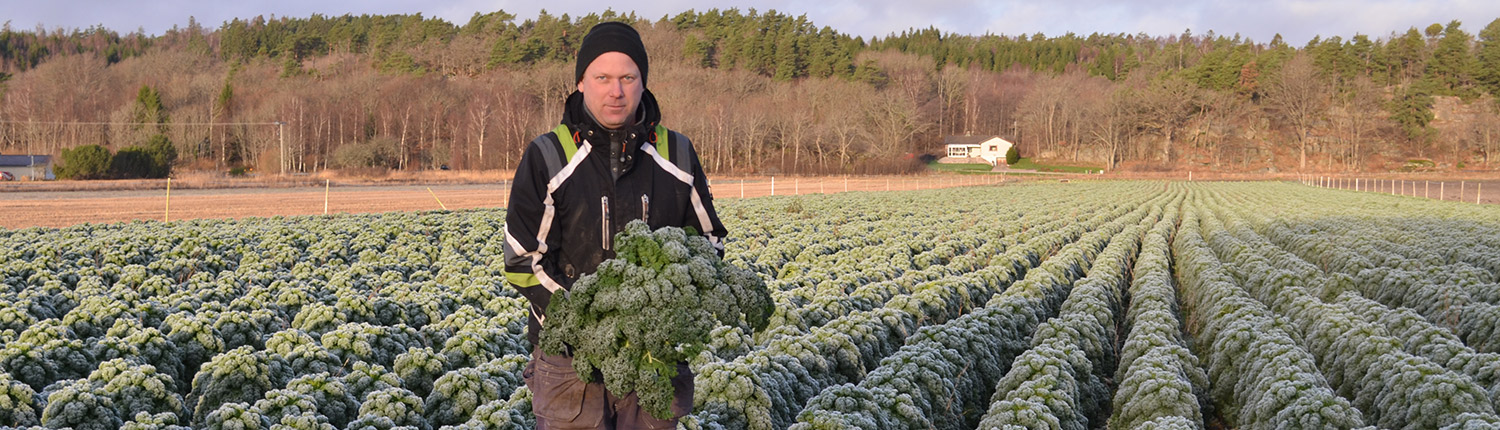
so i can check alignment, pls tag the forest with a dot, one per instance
(758, 92)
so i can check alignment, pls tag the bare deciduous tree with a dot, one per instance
(1355, 113)
(1164, 106)
(1300, 95)
(1112, 124)
(1487, 131)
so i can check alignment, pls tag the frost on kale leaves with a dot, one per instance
(649, 308)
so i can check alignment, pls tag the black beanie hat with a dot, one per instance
(611, 36)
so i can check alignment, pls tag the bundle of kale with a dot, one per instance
(649, 308)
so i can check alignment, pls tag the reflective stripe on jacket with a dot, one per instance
(564, 211)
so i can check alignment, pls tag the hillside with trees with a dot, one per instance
(759, 92)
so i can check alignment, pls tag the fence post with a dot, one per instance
(1478, 190)
(325, 196)
(1427, 189)
(1441, 186)
(773, 185)
(435, 197)
(166, 214)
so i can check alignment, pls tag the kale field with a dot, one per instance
(1087, 305)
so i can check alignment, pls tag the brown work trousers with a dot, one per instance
(562, 401)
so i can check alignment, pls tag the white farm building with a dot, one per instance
(973, 149)
(26, 167)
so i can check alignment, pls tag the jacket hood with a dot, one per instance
(575, 115)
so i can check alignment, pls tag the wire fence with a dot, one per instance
(1470, 191)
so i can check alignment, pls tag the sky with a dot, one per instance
(1296, 20)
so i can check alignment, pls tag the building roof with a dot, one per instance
(968, 140)
(24, 160)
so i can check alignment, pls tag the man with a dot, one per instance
(609, 162)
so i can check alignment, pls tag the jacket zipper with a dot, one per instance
(604, 203)
(646, 208)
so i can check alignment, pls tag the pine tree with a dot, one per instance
(1411, 110)
(1364, 52)
(697, 51)
(1486, 67)
(1335, 59)
(789, 63)
(1448, 71)
(1403, 56)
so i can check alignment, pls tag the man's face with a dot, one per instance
(612, 89)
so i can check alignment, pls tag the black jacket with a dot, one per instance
(564, 213)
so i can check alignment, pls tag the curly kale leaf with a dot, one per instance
(80, 406)
(418, 368)
(238, 376)
(17, 406)
(330, 395)
(135, 388)
(397, 406)
(651, 307)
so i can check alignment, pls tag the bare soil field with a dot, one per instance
(65, 203)
(55, 205)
